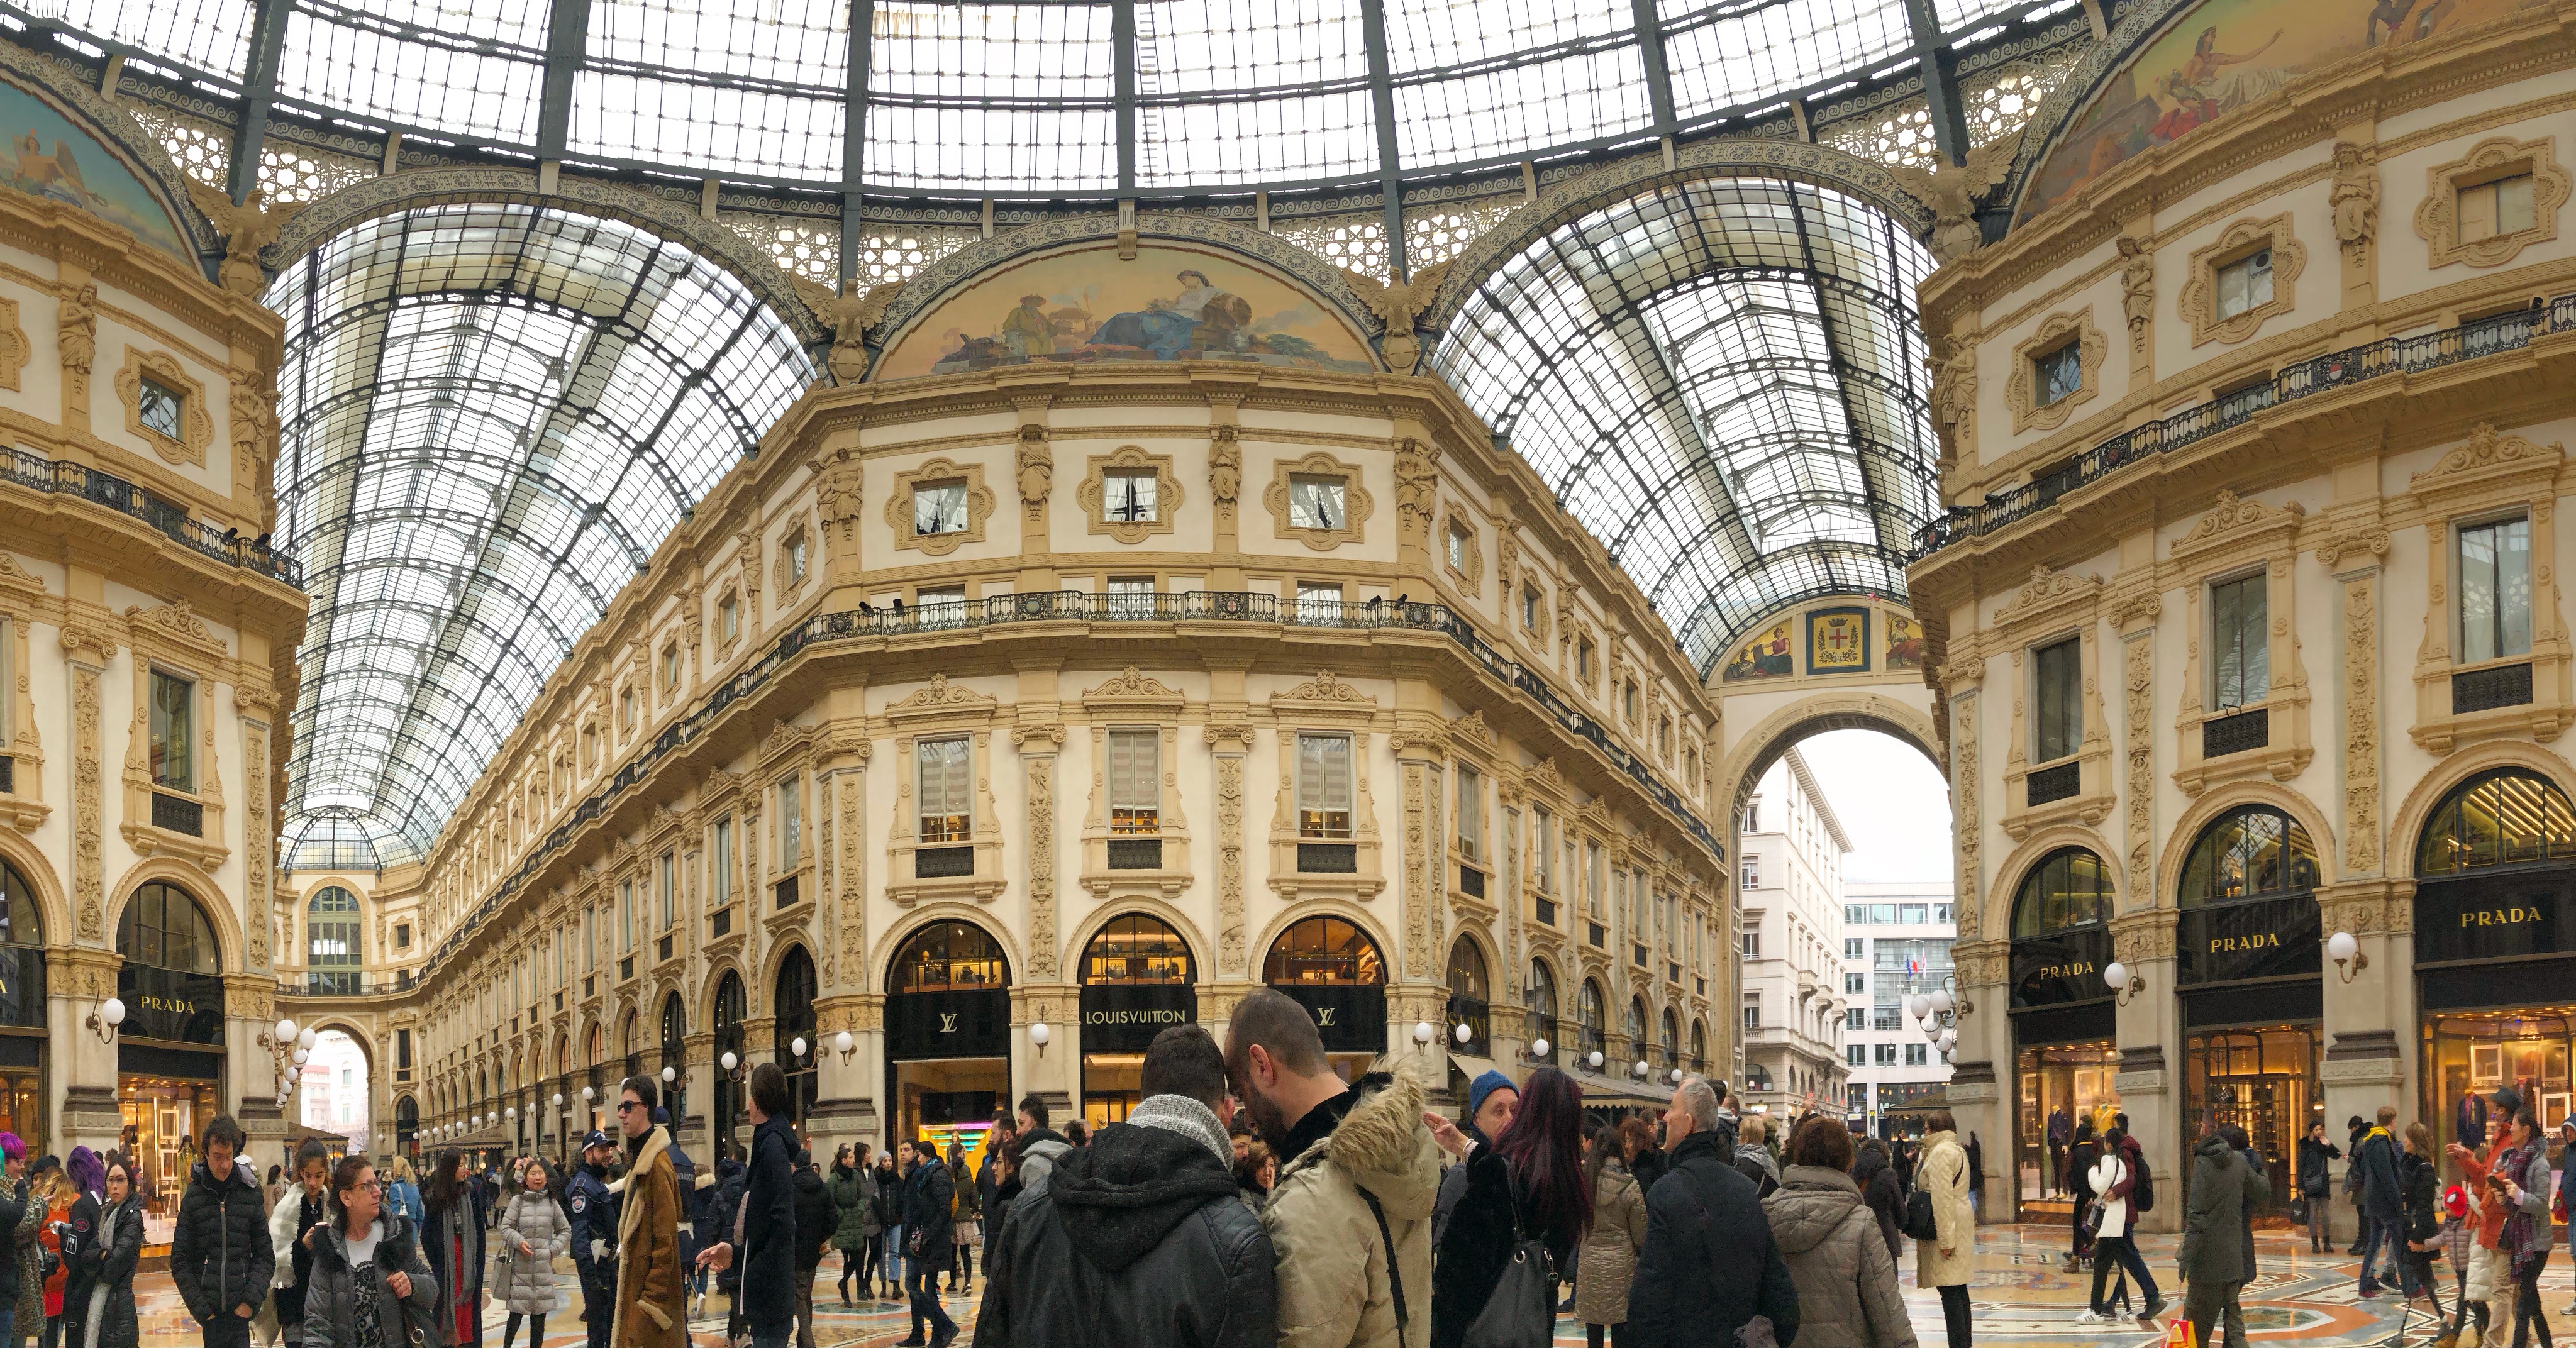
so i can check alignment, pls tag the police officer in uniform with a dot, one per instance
(594, 1236)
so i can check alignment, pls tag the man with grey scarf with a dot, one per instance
(1141, 1237)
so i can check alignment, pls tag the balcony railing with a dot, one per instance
(346, 983)
(21, 469)
(1076, 606)
(2191, 425)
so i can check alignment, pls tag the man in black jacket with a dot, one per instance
(1141, 1237)
(2383, 1205)
(763, 1240)
(219, 1252)
(1709, 1266)
(929, 1216)
(817, 1217)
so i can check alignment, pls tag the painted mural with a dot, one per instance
(1838, 641)
(1904, 642)
(1170, 302)
(51, 156)
(2222, 55)
(1767, 655)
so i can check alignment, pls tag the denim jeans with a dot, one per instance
(894, 1256)
(921, 1283)
(2121, 1251)
(2379, 1235)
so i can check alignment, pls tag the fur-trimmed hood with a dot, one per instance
(1382, 1143)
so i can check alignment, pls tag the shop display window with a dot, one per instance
(2468, 1056)
(2263, 1081)
(2057, 1085)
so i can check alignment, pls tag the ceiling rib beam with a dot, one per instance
(259, 95)
(567, 38)
(1390, 162)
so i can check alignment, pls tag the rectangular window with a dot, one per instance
(664, 882)
(1856, 1054)
(1583, 658)
(729, 618)
(402, 1049)
(1135, 781)
(946, 770)
(162, 405)
(1753, 1012)
(938, 508)
(402, 936)
(1855, 984)
(1471, 814)
(1909, 913)
(1941, 913)
(1127, 495)
(1529, 609)
(1458, 549)
(1593, 897)
(626, 915)
(2240, 642)
(791, 822)
(1546, 852)
(1855, 1018)
(1753, 945)
(1131, 597)
(173, 719)
(1324, 786)
(2058, 375)
(2058, 681)
(1315, 502)
(589, 941)
(1752, 872)
(2488, 210)
(1918, 1055)
(1855, 948)
(671, 667)
(2495, 590)
(626, 709)
(2245, 284)
(1886, 1054)
(720, 863)
(796, 559)
(1318, 604)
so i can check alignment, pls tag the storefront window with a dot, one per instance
(2263, 1081)
(795, 1020)
(2062, 1020)
(162, 1118)
(1137, 981)
(948, 1034)
(1332, 968)
(2061, 1084)
(2247, 941)
(2498, 819)
(2468, 1056)
(2495, 950)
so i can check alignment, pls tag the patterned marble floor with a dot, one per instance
(2021, 1298)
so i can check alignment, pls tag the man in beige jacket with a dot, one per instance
(652, 1291)
(1350, 1215)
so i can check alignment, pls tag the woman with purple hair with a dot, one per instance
(14, 1211)
(1530, 1184)
(88, 1176)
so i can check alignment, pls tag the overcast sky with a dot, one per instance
(1892, 803)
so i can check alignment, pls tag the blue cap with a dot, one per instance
(1486, 1083)
(597, 1139)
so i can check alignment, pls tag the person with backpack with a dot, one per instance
(2114, 1181)
(2082, 1156)
(2383, 1205)
(1846, 1279)
(1529, 1185)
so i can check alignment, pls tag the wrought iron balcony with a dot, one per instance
(21, 469)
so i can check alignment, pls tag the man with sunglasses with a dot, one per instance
(652, 1293)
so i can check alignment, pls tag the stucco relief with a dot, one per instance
(2138, 656)
(2361, 726)
(854, 907)
(1963, 804)
(1229, 862)
(88, 881)
(1042, 942)
(1417, 876)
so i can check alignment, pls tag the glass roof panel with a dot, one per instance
(210, 35)
(433, 78)
(1718, 380)
(991, 52)
(493, 415)
(1422, 34)
(1252, 141)
(1511, 110)
(705, 126)
(1001, 149)
(1727, 56)
(803, 42)
(1220, 46)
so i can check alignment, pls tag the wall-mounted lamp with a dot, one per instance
(1538, 1049)
(1677, 1076)
(732, 1068)
(559, 1102)
(1423, 1034)
(1040, 1035)
(2347, 954)
(1640, 1069)
(511, 1113)
(2123, 980)
(104, 1020)
(796, 1048)
(1463, 1033)
(669, 1074)
(844, 1045)
(1596, 1060)
(589, 1094)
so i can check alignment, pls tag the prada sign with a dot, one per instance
(2060, 968)
(2262, 938)
(2494, 917)
(948, 1024)
(1351, 1019)
(167, 1005)
(1125, 1017)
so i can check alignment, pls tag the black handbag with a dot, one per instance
(1521, 1313)
(1919, 1223)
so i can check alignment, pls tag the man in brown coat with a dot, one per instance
(652, 1291)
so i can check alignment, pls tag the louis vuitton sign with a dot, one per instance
(1125, 1017)
(1351, 1018)
(973, 1024)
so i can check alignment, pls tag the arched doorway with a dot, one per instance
(170, 1051)
(1592, 1021)
(22, 1007)
(2248, 967)
(948, 1035)
(1542, 1013)
(2495, 949)
(1470, 1004)
(2065, 1053)
(407, 1127)
(331, 935)
(1669, 1059)
(675, 1062)
(732, 1122)
(1137, 979)
(795, 1021)
(335, 1088)
(1331, 967)
(599, 1094)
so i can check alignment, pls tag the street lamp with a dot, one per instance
(1040, 1035)
(2346, 952)
(104, 1020)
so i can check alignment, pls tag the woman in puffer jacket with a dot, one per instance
(1606, 1265)
(1837, 1256)
(532, 1233)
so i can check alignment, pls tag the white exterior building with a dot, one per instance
(1793, 1012)
(1896, 942)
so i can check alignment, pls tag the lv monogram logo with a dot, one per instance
(1324, 1018)
(948, 1022)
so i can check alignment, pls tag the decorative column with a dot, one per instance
(1421, 750)
(2148, 1030)
(847, 1089)
(1052, 1069)
(1229, 739)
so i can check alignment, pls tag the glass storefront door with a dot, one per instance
(162, 1118)
(2263, 1080)
(2468, 1055)
(2058, 1084)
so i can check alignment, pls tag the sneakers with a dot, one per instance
(2092, 1317)
(2147, 1317)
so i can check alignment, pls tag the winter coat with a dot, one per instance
(767, 1258)
(2420, 1197)
(331, 1301)
(460, 1280)
(288, 1218)
(219, 1251)
(818, 1219)
(403, 1196)
(2382, 1191)
(1877, 1181)
(31, 1286)
(2109, 1181)
(2313, 1171)
(1648, 1167)
(1943, 1172)
(13, 1210)
(526, 1282)
(1755, 1162)
(1334, 1283)
(2535, 1181)
(886, 1213)
(104, 1317)
(929, 1202)
(1039, 1150)
(968, 1204)
(2215, 1244)
(1609, 1261)
(1138, 1238)
(1468, 1259)
(1453, 1185)
(1709, 1264)
(854, 1193)
(1846, 1279)
(713, 1224)
(652, 1289)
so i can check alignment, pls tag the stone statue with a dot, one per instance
(248, 228)
(1952, 194)
(1398, 305)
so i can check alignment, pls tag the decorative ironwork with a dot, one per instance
(786, 891)
(8, 774)
(2224, 735)
(943, 863)
(176, 814)
(1328, 858)
(2057, 783)
(1471, 882)
(1135, 854)
(22, 469)
(1546, 912)
(2487, 689)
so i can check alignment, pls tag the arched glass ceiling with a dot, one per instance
(1046, 96)
(1723, 382)
(493, 415)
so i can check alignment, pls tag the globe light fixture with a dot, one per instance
(1463, 1033)
(1539, 1047)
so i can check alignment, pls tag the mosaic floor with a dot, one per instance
(2021, 1298)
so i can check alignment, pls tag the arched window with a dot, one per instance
(407, 1125)
(1672, 1040)
(2067, 889)
(1136, 949)
(164, 928)
(630, 1042)
(1632, 1023)
(331, 928)
(1325, 950)
(1594, 1017)
(170, 982)
(726, 1022)
(795, 1007)
(22, 952)
(1542, 1008)
(1757, 1077)
(1699, 1046)
(1469, 1004)
(950, 957)
(2251, 852)
(2507, 817)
